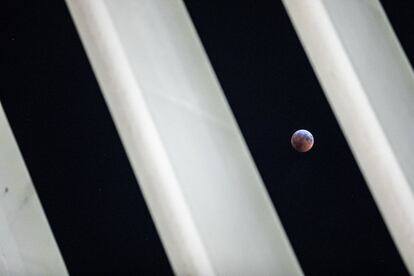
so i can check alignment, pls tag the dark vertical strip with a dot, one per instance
(321, 196)
(72, 149)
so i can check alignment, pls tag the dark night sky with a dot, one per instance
(86, 184)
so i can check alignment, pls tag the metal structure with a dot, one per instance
(370, 85)
(27, 245)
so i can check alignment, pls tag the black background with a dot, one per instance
(86, 184)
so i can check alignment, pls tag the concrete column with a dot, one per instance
(370, 85)
(27, 245)
(209, 204)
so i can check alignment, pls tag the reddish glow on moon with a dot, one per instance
(302, 140)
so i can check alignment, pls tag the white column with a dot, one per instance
(370, 86)
(203, 190)
(27, 245)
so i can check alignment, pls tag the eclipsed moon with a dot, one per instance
(302, 140)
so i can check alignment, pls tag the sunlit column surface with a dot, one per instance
(370, 86)
(204, 193)
(27, 245)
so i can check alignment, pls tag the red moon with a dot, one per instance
(302, 140)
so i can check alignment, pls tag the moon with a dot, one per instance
(302, 140)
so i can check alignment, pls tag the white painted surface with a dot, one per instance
(204, 193)
(27, 245)
(370, 85)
